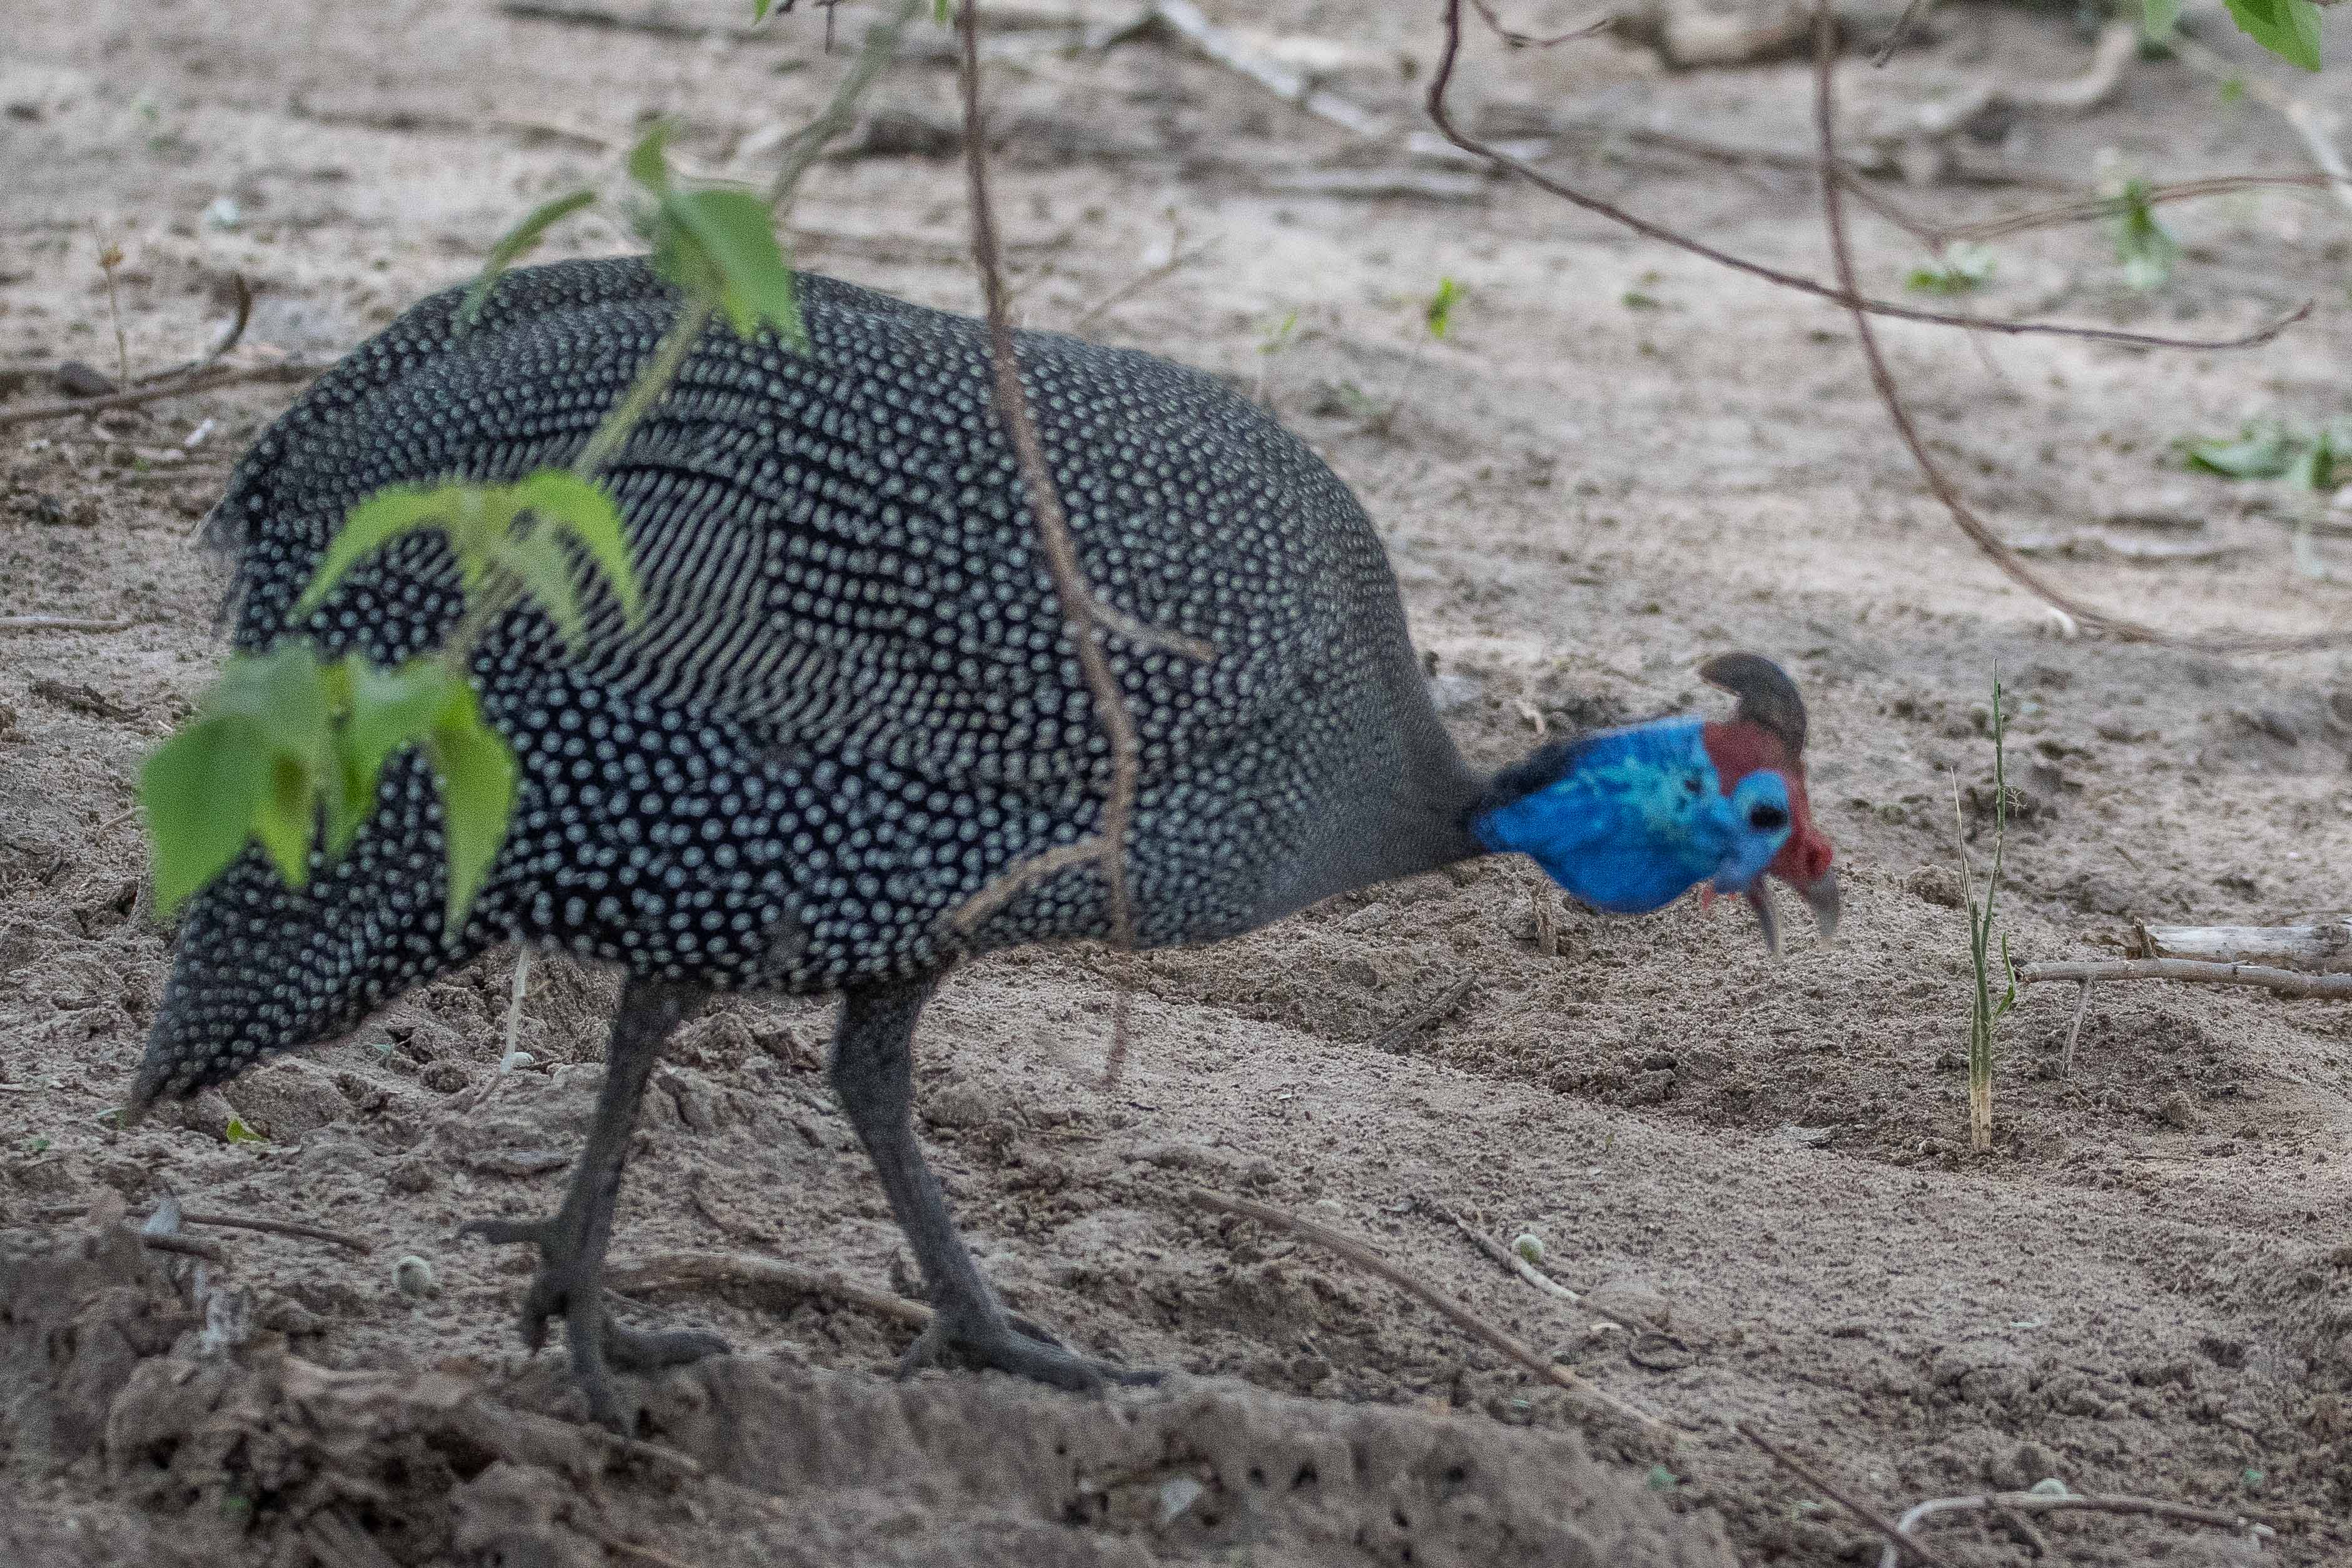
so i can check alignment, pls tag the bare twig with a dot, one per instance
(1519, 40)
(749, 1271)
(187, 1246)
(1432, 1011)
(1978, 530)
(1294, 87)
(62, 623)
(206, 381)
(278, 1227)
(2118, 46)
(1897, 1542)
(1512, 1261)
(807, 144)
(231, 336)
(1845, 293)
(1085, 617)
(1428, 1295)
(627, 1548)
(2309, 123)
(2025, 1502)
(2286, 982)
(1911, 14)
(2074, 1030)
(1179, 257)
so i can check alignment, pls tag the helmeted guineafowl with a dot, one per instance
(852, 703)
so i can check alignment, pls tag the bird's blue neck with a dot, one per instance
(1625, 820)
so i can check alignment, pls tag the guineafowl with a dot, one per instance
(852, 703)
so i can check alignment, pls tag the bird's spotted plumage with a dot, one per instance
(852, 703)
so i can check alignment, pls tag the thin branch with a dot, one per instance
(1434, 1010)
(1430, 1296)
(2306, 121)
(808, 144)
(2026, 1502)
(187, 1247)
(1979, 531)
(1902, 24)
(1297, 89)
(749, 1271)
(229, 338)
(1519, 40)
(279, 1227)
(2286, 982)
(1897, 1542)
(1180, 257)
(205, 381)
(1845, 293)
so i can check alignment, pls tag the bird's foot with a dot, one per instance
(570, 1285)
(1004, 1341)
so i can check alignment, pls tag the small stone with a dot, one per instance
(1529, 1246)
(2177, 1109)
(414, 1275)
(443, 1077)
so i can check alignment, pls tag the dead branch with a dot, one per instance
(231, 336)
(206, 381)
(1979, 531)
(2307, 122)
(2286, 982)
(747, 1270)
(2095, 209)
(1898, 1544)
(2323, 947)
(2089, 544)
(1430, 1296)
(1432, 1011)
(2117, 46)
(62, 623)
(1179, 257)
(1518, 40)
(186, 1247)
(807, 144)
(279, 1227)
(1845, 293)
(1297, 89)
(2025, 1502)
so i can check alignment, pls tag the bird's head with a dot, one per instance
(1629, 819)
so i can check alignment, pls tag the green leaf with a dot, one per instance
(284, 815)
(2261, 452)
(236, 1132)
(394, 708)
(1440, 313)
(648, 160)
(517, 243)
(2143, 246)
(199, 790)
(588, 515)
(2287, 29)
(1960, 267)
(478, 774)
(537, 560)
(462, 511)
(735, 233)
(759, 10)
(2157, 17)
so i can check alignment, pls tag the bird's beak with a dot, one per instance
(1819, 897)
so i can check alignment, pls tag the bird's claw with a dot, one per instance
(569, 1286)
(1002, 1341)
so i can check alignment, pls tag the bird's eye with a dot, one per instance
(1765, 818)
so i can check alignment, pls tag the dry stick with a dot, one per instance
(2322, 947)
(1518, 40)
(278, 1227)
(1180, 257)
(1978, 530)
(207, 380)
(1911, 14)
(1085, 617)
(229, 338)
(187, 1246)
(1844, 293)
(687, 1270)
(1297, 89)
(2026, 1502)
(1897, 1542)
(1422, 1017)
(2286, 982)
(1428, 1295)
(2301, 116)
(2073, 1029)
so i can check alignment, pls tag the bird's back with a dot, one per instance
(853, 702)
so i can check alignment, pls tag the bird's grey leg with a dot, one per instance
(571, 1244)
(873, 1076)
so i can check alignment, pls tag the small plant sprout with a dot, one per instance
(2143, 245)
(109, 257)
(1985, 1010)
(1439, 313)
(1529, 1246)
(1959, 268)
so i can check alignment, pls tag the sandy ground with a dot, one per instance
(1619, 461)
